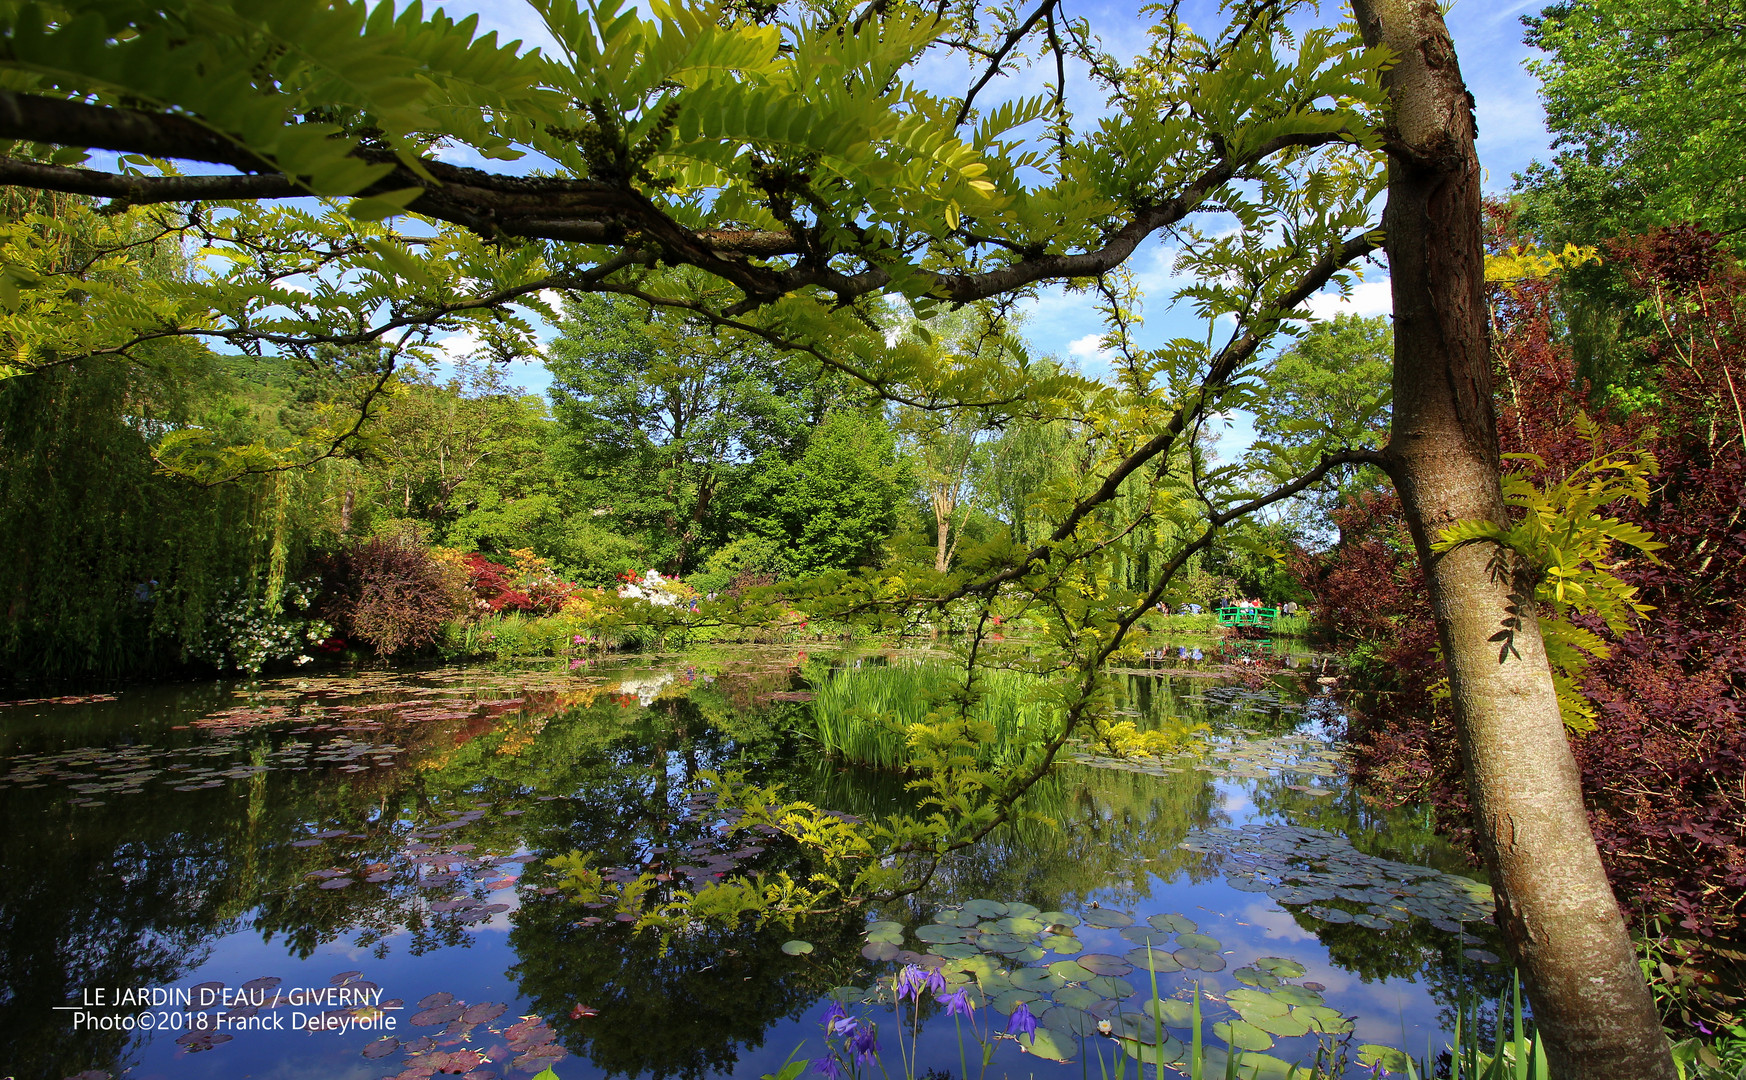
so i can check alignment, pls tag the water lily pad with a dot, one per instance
(1061, 943)
(986, 909)
(797, 947)
(1323, 1019)
(1199, 941)
(1046, 1043)
(1023, 926)
(880, 950)
(1252, 1003)
(1297, 995)
(1104, 964)
(955, 950)
(1077, 997)
(1071, 970)
(1482, 956)
(442, 1014)
(1251, 977)
(1285, 969)
(1199, 959)
(381, 1048)
(891, 932)
(1156, 959)
(1141, 934)
(1057, 919)
(1174, 1012)
(1173, 923)
(955, 917)
(483, 1013)
(1107, 918)
(1169, 1050)
(1286, 1026)
(1111, 987)
(1377, 1056)
(1030, 955)
(1003, 943)
(1020, 910)
(937, 934)
(1069, 1020)
(1037, 979)
(1243, 1035)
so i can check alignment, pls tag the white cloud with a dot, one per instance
(1089, 347)
(1368, 298)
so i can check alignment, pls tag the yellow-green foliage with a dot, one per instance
(1567, 542)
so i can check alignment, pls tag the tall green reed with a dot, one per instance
(865, 715)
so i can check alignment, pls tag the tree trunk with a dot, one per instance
(943, 503)
(1557, 910)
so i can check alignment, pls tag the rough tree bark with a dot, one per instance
(1558, 913)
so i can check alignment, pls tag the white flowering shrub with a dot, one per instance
(245, 635)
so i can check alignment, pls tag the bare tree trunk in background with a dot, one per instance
(1557, 910)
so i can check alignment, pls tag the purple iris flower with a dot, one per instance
(1022, 1022)
(865, 1043)
(833, 1014)
(957, 1003)
(844, 1025)
(827, 1066)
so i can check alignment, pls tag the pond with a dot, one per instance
(345, 876)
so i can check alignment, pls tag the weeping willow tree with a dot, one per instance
(108, 565)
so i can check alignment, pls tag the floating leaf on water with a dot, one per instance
(880, 950)
(1323, 1019)
(1107, 918)
(1020, 910)
(1170, 922)
(1170, 1050)
(1285, 969)
(1251, 1003)
(1041, 979)
(1199, 941)
(1158, 960)
(1061, 943)
(381, 1048)
(1077, 997)
(1141, 934)
(955, 917)
(1285, 1026)
(1104, 964)
(1482, 956)
(1173, 1012)
(937, 934)
(1199, 959)
(1058, 919)
(1111, 987)
(846, 994)
(797, 947)
(955, 950)
(1377, 1056)
(484, 1012)
(1297, 995)
(441, 1014)
(1071, 971)
(1069, 1020)
(335, 883)
(1022, 925)
(1251, 977)
(1045, 1043)
(986, 909)
(1243, 1035)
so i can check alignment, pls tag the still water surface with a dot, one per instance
(286, 850)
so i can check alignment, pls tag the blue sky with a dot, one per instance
(1488, 40)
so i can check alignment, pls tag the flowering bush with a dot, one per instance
(245, 633)
(530, 586)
